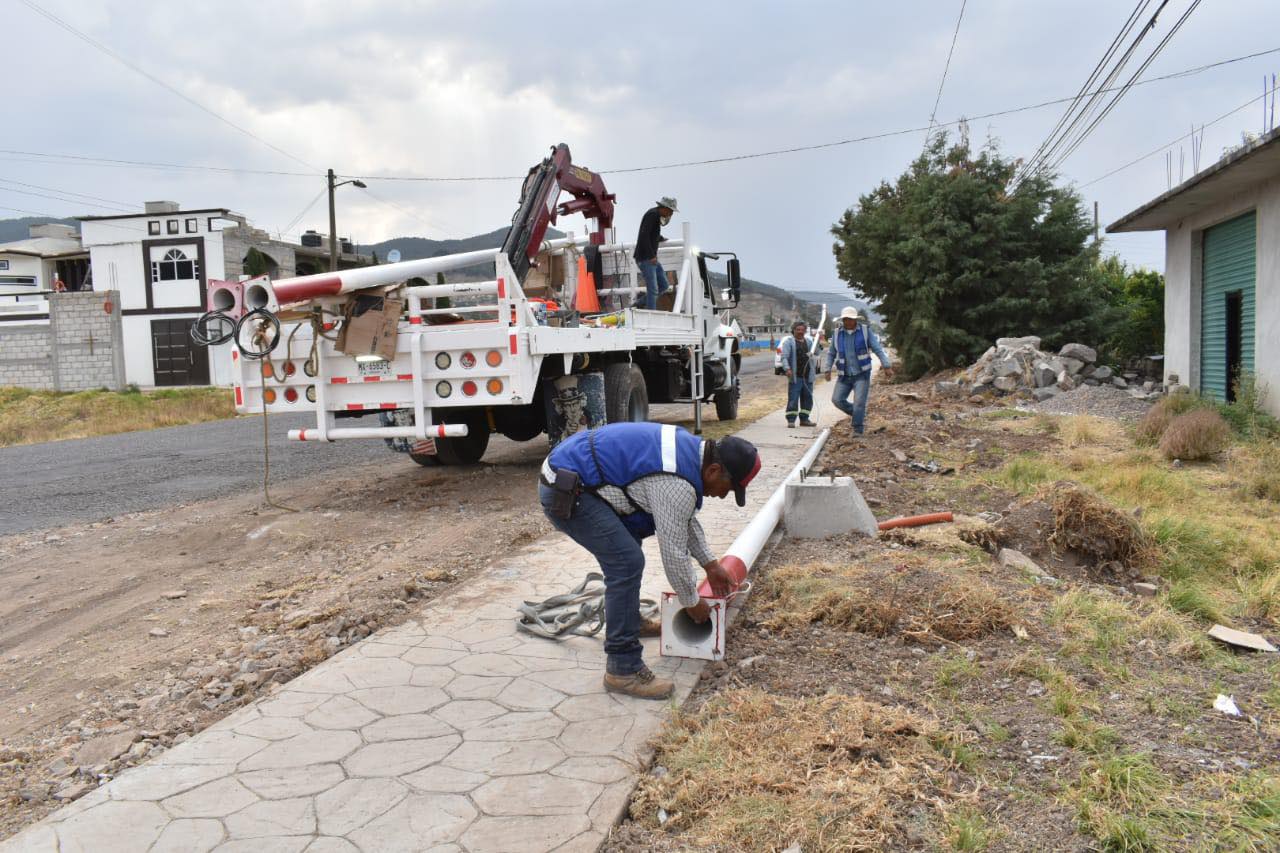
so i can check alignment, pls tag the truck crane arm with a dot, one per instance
(539, 206)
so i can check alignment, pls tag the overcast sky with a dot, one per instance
(483, 88)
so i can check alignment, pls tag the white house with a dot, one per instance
(52, 252)
(1222, 272)
(161, 261)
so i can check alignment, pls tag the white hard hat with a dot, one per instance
(849, 313)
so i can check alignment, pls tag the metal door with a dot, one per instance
(1227, 304)
(176, 360)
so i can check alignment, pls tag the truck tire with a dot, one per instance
(727, 402)
(426, 460)
(626, 398)
(469, 450)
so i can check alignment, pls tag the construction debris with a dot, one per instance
(1019, 366)
(1241, 639)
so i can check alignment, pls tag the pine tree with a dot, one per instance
(955, 261)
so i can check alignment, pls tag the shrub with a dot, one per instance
(1198, 434)
(1157, 419)
(1246, 413)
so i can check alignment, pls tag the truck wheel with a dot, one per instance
(426, 460)
(626, 399)
(469, 450)
(727, 402)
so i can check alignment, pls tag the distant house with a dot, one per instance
(1222, 271)
(162, 260)
(52, 253)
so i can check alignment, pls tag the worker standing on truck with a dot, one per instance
(851, 352)
(646, 253)
(801, 373)
(610, 488)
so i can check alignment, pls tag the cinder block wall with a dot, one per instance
(81, 347)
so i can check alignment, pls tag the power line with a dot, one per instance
(1175, 141)
(111, 207)
(405, 210)
(1110, 106)
(945, 68)
(125, 62)
(288, 229)
(80, 159)
(112, 201)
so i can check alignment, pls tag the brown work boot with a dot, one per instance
(642, 685)
(651, 628)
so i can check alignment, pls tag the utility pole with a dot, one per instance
(1095, 220)
(333, 218)
(333, 229)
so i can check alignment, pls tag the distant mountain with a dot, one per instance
(835, 302)
(12, 230)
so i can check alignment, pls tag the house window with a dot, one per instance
(4, 264)
(153, 228)
(173, 226)
(192, 227)
(174, 266)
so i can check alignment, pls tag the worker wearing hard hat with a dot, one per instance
(646, 253)
(611, 487)
(850, 354)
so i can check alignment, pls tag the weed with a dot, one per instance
(1185, 596)
(1087, 737)
(956, 750)
(1064, 700)
(1024, 474)
(1130, 781)
(1196, 435)
(1247, 412)
(997, 733)
(1190, 548)
(1078, 430)
(1094, 622)
(1157, 419)
(1125, 834)
(956, 671)
(967, 830)
(1257, 467)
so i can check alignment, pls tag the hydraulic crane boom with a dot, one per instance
(539, 206)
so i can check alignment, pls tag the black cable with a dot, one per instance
(113, 201)
(933, 114)
(271, 322)
(205, 334)
(1092, 78)
(1160, 47)
(161, 83)
(111, 207)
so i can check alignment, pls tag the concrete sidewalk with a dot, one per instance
(450, 732)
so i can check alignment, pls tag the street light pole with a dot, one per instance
(333, 218)
(333, 228)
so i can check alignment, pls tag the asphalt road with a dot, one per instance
(57, 483)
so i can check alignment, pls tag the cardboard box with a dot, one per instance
(371, 327)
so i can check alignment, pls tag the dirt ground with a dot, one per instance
(122, 637)
(1063, 712)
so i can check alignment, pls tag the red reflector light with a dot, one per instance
(467, 360)
(469, 388)
(493, 358)
(291, 395)
(289, 368)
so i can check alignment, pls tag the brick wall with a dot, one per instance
(80, 348)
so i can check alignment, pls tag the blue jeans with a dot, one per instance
(597, 528)
(655, 281)
(858, 385)
(799, 399)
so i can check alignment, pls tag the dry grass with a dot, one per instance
(1159, 416)
(1081, 430)
(1196, 435)
(750, 409)
(29, 417)
(920, 604)
(751, 771)
(1085, 523)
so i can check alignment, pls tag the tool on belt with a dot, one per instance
(579, 612)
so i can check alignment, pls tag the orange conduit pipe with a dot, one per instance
(916, 520)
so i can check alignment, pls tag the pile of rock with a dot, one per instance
(1017, 365)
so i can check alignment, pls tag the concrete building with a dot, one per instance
(161, 262)
(51, 253)
(1222, 271)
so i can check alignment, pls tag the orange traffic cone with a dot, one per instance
(587, 301)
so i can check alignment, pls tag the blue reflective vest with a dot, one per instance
(861, 352)
(621, 454)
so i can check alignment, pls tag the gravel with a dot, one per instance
(1103, 401)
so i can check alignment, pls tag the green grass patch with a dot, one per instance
(1186, 596)
(968, 831)
(29, 417)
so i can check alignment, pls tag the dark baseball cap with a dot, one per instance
(742, 462)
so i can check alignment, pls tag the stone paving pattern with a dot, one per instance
(450, 732)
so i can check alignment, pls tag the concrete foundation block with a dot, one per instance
(818, 508)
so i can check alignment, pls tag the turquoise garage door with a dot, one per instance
(1227, 305)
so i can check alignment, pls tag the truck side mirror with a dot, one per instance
(735, 279)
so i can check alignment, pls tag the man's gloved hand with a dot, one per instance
(828, 375)
(699, 612)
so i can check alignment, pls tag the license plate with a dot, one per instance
(373, 368)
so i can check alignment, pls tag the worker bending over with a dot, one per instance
(850, 353)
(646, 253)
(611, 487)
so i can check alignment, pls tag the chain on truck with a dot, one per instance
(438, 365)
